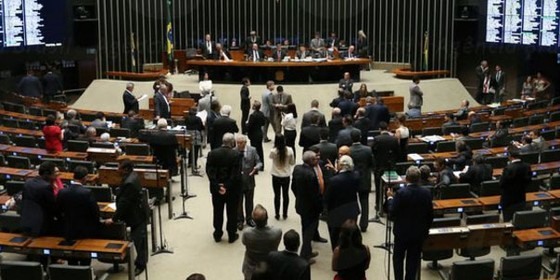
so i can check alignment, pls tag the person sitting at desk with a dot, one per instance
(463, 111)
(133, 122)
(254, 54)
(221, 53)
(351, 53)
(332, 42)
(302, 53)
(278, 54)
(445, 175)
(100, 121)
(464, 157)
(449, 120)
(72, 118)
(479, 172)
(317, 45)
(90, 135)
(500, 137)
(526, 145)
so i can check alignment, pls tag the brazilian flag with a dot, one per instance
(169, 32)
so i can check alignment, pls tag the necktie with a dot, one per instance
(278, 56)
(320, 178)
(255, 58)
(498, 76)
(209, 47)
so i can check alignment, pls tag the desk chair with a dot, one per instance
(445, 146)
(13, 107)
(535, 185)
(490, 188)
(9, 122)
(438, 255)
(497, 161)
(65, 272)
(472, 253)
(18, 162)
(101, 194)
(25, 141)
(28, 124)
(417, 148)
(72, 164)
(137, 149)
(536, 119)
(17, 270)
(120, 132)
(530, 219)
(550, 155)
(115, 231)
(86, 117)
(455, 191)
(469, 270)
(47, 112)
(555, 116)
(103, 145)
(101, 130)
(520, 267)
(548, 134)
(35, 111)
(78, 146)
(475, 144)
(520, 122)
(60, 163)
(13, 187)
(5, 139)
(431, 131)
(452, 129)
(550, 270)
(10, 222)
(479, 127)
(554, 182)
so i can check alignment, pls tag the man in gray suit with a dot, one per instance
(416, 96)
(317, 45)
(363, 165)
(259, 241)
(250, 166)
(344, 136)
(306, 119)
(267, 108)
(280, 102)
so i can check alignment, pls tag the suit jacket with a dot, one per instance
(254, 126)
(305, 187)
(347, 107)
(30, 86)
(223, 166)
(278, 55)
(205, 52)
(416, 96)
(266, 103)
(516, 177)
(249, 160)
(476, 174)
(411, 210)
(204, 103)
(252, 40)
(386, 150)
(134, 124)
(260, 54)
(245, 100)
(38, 207)
(164, 146)
(129, 197)
(302, 55)
(130, 102)
(287, 265)
(51, 84)
(348, 55)
(335, 126)
(259, 242)
(481, 74)
(317, 44)
(499, 82)
(363, 164)
(341, 198)
(161, 106)
(221, 126)
(364, 125)
(328, 150)
(346, 84)
(309, 136)
(343, 138)
(79, 211)
(217, 55)
(377, 113)
(306, 119)
(284, 99)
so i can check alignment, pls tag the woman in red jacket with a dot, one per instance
(53, 135)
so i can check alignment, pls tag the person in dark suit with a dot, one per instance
(221, 54)
(363, 159)
(213, 115)
(307, 183)
(351, 53)
(162, 107)
(445, 175)
(164, 146)
(30, 85)
(464, 156)
(302, 52)
(479, 172)
(347, 105)
(328, 150)
(344, 137)
(223, 125)
(481, 72)
(386, 150)
(195, 127)
(223, 167)
(500, 137)
(252, 40)
(278, 54)
(341, 198)
(363, 124)
(288, 264)
(499, 83)
(245, 103)
(516, 177)
(133, 122)
(335, 125)
(254, 129)
(411, 210)
(306, 119)
(463, 111)
(377, 113)
(208, 47)
(38, 202)
(132, 209)
(310, 135)
(52, 85)
(129, 100)
(346, 83)
(79, 211)
(255, 54)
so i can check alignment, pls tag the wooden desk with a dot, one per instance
(460, 205)
(64, 176)
(179, 106)
(533, 198)
(285, 72)
(136, 159)
(545, 110)
(13, 243)
(394, 103)
(20, 131)
(22, 116)
(15, 172)
(536, 237)
(102, 155)
(474, 236)
(115, 249)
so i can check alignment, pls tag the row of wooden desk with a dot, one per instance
(117, 250)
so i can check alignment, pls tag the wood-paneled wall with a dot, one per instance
(395, 28)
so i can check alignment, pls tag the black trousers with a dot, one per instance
(248, 195)
(309, 225)
(139, 235)
(265, 128)
(281, 186)
(257, 143)
(230, 203)
(412, 251)
(193, 156)
(291, 140)
(364, 205)
(378, 173)
(509, 210)
(244, 117)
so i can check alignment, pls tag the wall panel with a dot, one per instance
(395, 28)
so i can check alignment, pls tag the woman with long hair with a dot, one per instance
(351, 257)
(289, 120)
(282, 162)
(402, 133)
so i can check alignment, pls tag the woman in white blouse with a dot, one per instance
(282, 162)
(205, 85)
(289, 120)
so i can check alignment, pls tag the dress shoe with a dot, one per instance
(285, 216)
(277, 217)
(139, 270)
(240, 226)
(233, 237)
(251, 223)
(267, 140)
(314, 254)
(217, 237)
(363, 229)
(311, 261)
(320, 239)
